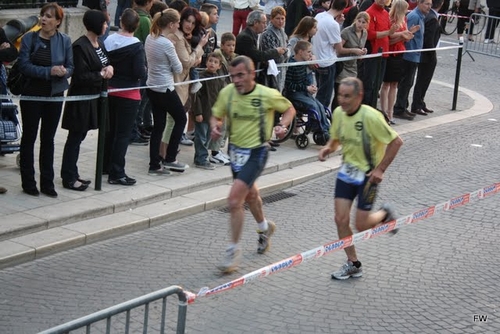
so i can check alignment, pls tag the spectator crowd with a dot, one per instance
(174, 49)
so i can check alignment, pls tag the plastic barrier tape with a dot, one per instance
(355, 239)
(299, 63)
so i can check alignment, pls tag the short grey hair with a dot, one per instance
(254, 17)
(355, 83)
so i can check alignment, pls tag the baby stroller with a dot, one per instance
(10, 128)
(308, 121)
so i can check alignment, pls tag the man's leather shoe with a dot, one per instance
(420, 112)
(405, 115)
(429, 111)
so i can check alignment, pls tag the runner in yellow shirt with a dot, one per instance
(369, 146)
(249, 112)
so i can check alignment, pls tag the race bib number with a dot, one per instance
(238, 156)
(351, 174)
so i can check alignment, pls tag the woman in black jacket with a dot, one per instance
(91, 72)
(46, 59)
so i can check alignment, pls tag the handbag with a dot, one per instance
(17, 81)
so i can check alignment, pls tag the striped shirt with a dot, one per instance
(163, 62)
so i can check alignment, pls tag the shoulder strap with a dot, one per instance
(366, 142)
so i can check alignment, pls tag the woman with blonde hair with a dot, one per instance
(393, 70)
(163, 63)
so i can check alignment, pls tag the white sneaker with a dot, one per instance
(230, 260)
(219, 158)
(486, 41)
(196, 87)
(190, 135)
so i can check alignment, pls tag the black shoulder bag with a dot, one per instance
(17, 81)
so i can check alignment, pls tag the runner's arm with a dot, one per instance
(391, 151)
(332, 146)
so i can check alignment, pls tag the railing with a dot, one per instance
(486, 43)
(126, 307)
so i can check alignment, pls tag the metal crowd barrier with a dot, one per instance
(487, 42)
(91, 321)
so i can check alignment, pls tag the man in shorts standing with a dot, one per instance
(249, 111)
(369, 146)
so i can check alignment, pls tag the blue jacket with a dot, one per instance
(61, 54)
(417, 42)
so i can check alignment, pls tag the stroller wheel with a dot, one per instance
(302, 141)
(320, 138)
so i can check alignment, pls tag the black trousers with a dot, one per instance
(404, 86)
(32, 114)
(69, 168)
(122, 115)
(424, 77)
(161, 103)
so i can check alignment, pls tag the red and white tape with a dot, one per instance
(340, 244)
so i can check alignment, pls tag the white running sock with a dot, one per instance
(263, 226)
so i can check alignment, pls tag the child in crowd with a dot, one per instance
(298, 85)
(227, 46)
(203, 102)
(213, 18)
(226, 52)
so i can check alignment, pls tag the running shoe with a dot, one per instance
(186, 141)
(230, 260)
(347, 270)
(264, 237)
(175, 166)
(219, 158)
(390, 216)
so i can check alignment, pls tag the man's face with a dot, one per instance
(348, 100)
(243, 79)
(260, 26)
(425, 7)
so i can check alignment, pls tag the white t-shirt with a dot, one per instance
(328, 34)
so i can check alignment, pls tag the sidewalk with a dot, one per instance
(34, 227)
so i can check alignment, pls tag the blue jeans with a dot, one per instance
(201, 141)
(310, 103)
(325, 76)
(120, 7)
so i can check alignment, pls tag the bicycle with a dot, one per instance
(451, 16)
